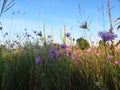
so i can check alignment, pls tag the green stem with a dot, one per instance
(105, 49)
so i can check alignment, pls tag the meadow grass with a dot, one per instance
(62, 67)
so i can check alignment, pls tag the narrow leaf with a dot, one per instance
(117, 19)
(8, 7)
(9, 4)
(3, 6)
(118, 27)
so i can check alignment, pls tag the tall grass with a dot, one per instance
(74, 69)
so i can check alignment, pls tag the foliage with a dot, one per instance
(82, 43)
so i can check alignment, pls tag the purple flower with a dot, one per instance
(67, 34)
(52, 52)
(53, 56)
(38, 60)
(107, 36)
(63, 46)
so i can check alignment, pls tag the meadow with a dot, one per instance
(43, 65)
(37, 63)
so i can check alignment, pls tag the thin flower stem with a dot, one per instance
(105, 49)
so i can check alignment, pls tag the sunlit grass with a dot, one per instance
(70, 69)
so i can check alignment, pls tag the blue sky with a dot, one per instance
(55, 14)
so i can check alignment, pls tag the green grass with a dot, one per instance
(89, 72)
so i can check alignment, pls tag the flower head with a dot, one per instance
(109, 56)
(92, 42)
(38, 60)
(89, 50)
(68, 48)
(52, 52)
(107, 36)
(98, 54)
(67, 34)
(63, 46)
(117, 62)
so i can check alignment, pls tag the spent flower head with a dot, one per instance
(107, 36)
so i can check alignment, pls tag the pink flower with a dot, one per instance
(89, 50)
(109, 57)
(97, 54)
(118, 46)
(68, 48)
(92, 42)
(117, 62)
(76, 62)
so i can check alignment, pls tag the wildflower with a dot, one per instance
(63, 46)
(52, 52)
(109, 57)
(92, 42)
(38, 60)
(97, 54)
(107, 36)
(53, 56)
(76, 62)
(67, 34)
(117, 62)
(68, 48)
(118, 46)
(89, 50)
(75, 55)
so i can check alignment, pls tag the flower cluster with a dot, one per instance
(52, 53)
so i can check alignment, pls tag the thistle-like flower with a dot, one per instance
(107, 36)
